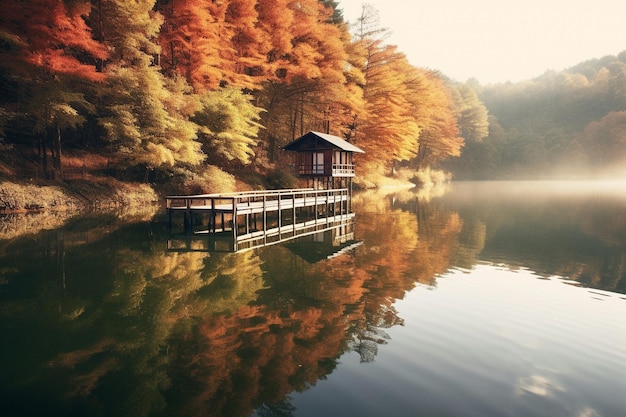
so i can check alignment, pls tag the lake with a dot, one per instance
(484, 299)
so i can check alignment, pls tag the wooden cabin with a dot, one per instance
(323, 159)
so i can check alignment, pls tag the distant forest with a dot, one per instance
(567, 124)
(205, 93)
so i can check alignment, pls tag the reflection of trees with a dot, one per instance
(471, 243)
(410, 244)
(367, 337)
(99, 322)
(306, 316)
(286, 340)
(250, 357)
(555, 229)
(219, 334)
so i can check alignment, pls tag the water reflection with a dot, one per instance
(571, 229)
(98, 310)
(322, 240)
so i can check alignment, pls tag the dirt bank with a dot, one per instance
(74, 197)
(29, 208)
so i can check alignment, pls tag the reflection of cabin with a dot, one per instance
(326, 244)
(326, 161)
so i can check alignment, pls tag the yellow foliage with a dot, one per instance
(211, 180)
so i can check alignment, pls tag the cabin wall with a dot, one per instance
(325, 162)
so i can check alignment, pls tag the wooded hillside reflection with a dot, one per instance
(571, 229)
(222, 334)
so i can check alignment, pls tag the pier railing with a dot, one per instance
(335, 170)
(255, 201)
(260, 214)
(343, 170)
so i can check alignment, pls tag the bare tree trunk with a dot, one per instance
(43, 154)
(271, 147)
(100, 35)
(56, 154)
(301, 114)
(294, 120)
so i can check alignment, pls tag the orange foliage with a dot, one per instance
(246, 42)
(440, 138)
(275, 20)
(51, 35)
(245, 57)
(298, 43)
(304, 69)
(190, 40)
(390, 131)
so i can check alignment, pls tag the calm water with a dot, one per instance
(493, 299)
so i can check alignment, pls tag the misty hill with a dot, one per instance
(567, 124)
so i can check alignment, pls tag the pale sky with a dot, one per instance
(499, 40)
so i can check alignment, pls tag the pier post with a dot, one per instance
(213, 215)
(264, 220)
(169, 218)
(293, 213)
(188, 222)
(235, 220)
(280, 218)
(327, 205)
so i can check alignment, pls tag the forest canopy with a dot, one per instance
(167, 89)
(203, 94)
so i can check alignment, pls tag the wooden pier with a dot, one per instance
(258, 218)
(251, 219)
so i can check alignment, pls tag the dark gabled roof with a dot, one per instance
(315, 137)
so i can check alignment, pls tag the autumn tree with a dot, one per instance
(50, 36)
(391, 131)
(144, 114)
(229, 124)
(276, 18)
(387, 131)
(471, 113)
(439, 138)
(192, 37)
(308, 85)
(49, 52)
(246, 58)
(409, 113)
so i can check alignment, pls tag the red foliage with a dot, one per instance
(51, 35)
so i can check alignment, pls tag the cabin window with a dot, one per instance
(318, 162)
